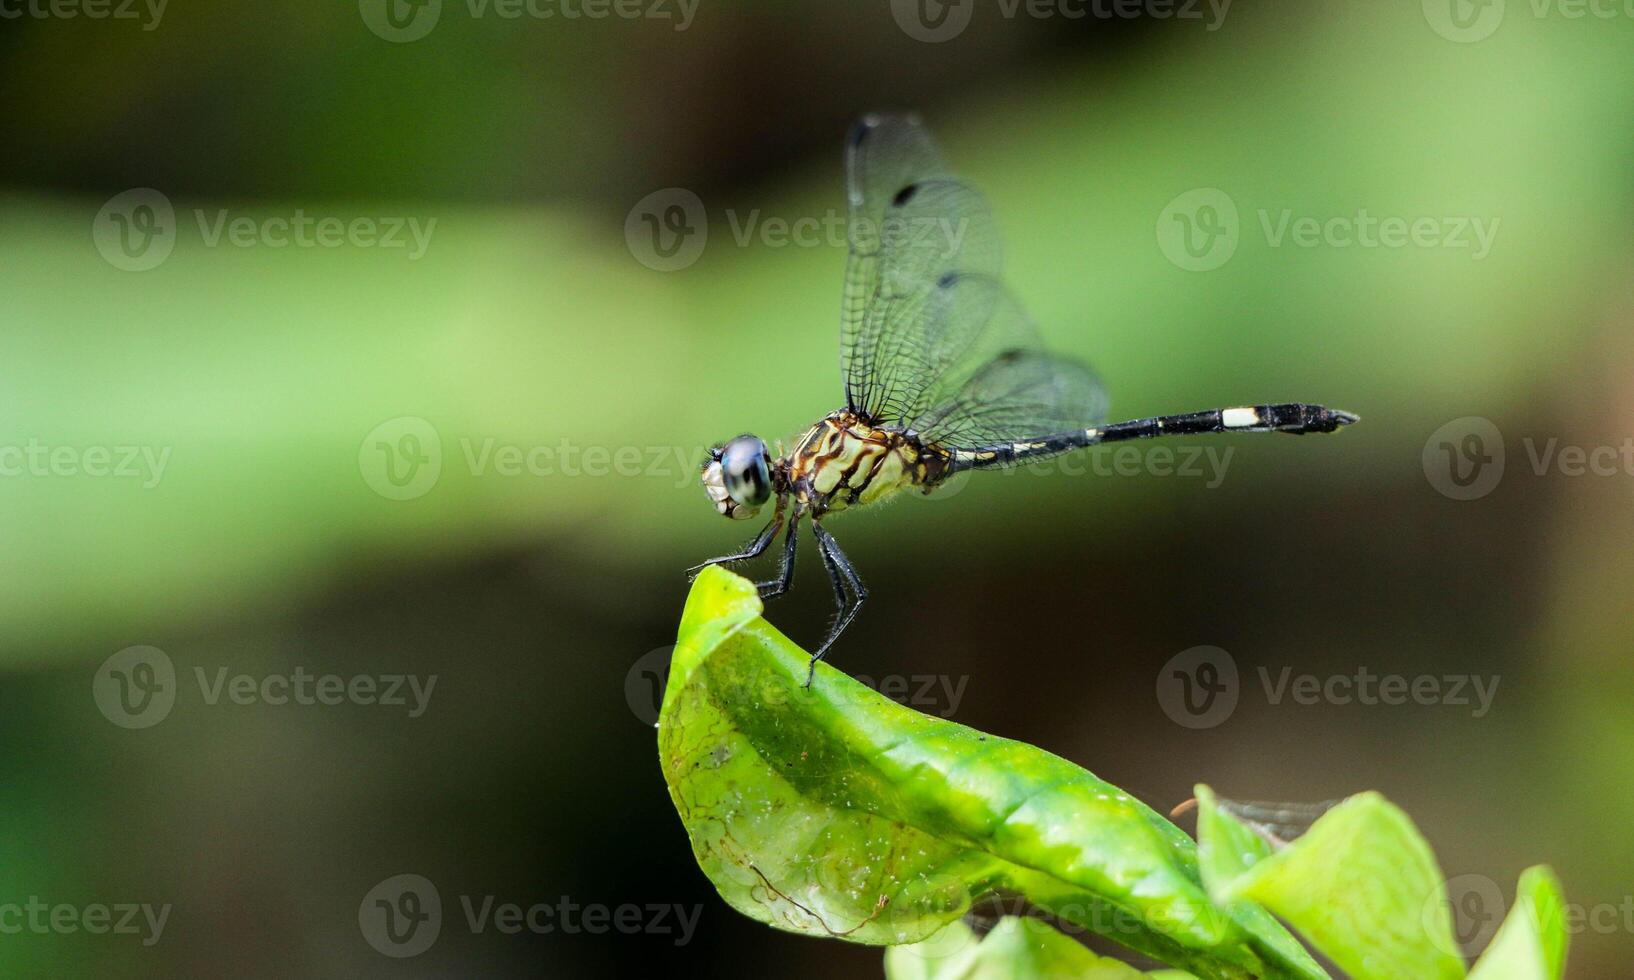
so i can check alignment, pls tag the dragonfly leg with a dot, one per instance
(753, 549)
(785, 574)
(840, 570)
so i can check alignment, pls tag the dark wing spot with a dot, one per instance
(947, 280)
(905, 195)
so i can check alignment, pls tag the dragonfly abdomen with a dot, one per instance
(1295, 418)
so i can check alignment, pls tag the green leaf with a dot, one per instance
(1361, 884)
(833, 811)
(1531, 943)
(1226, 848)
(1016, 949)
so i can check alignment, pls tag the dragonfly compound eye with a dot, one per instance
(746, 472)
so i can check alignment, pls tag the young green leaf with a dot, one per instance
(1361, 884)
(1226, 849)
(1016, 949)
(833, 811)
(1531, 943)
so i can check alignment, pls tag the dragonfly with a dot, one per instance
(943, 370)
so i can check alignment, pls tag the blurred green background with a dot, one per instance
(259, 373)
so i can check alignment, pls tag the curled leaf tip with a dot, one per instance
(835, 812)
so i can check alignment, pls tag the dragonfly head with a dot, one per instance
(737, 476)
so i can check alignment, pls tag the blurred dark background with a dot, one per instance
(289, 388)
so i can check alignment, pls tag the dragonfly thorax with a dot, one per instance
(845, 460)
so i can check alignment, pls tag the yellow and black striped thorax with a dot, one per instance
(844, 461)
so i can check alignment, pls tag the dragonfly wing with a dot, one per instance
(930, 339)
(1004, 387)
(914, 231)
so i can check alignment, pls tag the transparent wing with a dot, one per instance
(1002, 386)
(930, 340)
(911, 225)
